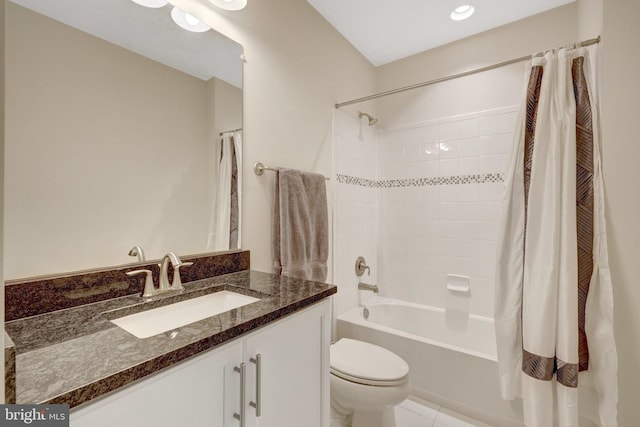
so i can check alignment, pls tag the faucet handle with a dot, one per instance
(149, 289)
(177, 282)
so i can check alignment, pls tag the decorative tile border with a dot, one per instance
(354, 180)
(421, 182)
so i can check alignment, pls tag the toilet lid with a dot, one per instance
(366, 363)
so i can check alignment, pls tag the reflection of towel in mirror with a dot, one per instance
(300, 225)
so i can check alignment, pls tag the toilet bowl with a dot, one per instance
(366, 382)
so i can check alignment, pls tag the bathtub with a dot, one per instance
(452, 356)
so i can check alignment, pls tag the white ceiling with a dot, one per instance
(150, 33)
(387, 30)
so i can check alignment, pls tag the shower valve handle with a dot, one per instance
(361, 266)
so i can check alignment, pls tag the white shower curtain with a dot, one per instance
(224, 227)
(553, 306)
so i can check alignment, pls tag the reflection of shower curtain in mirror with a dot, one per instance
(553, 306)
(224, 228)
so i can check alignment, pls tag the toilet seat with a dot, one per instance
(368, 364)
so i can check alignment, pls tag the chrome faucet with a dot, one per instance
(367, 287)
(164, 286)
(176, 285)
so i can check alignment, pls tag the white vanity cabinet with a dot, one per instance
(294, 371)
(198, 392)
(293, 385)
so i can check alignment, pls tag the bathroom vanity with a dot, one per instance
(221, 386)
(263, 364)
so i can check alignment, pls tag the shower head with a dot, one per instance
(372, 120)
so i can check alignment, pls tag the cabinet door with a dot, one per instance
(203, 391)
(294, 370)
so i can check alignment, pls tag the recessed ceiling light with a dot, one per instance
(230, 4)
(151, 3)
(462, 12)
(188, 22)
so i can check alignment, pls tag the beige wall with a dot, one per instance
(536, 33)
(480, 112)
(101, 154)
(488, 90)
(225, 103)
(589, 18)
(227, 106)
(297, 66)
(620, 90)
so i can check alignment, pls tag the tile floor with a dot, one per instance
(419, 413)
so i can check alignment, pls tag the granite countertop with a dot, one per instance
(75, 355)
(9, 370)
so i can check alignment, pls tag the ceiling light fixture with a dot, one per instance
(188, 22)
(229, 4)
(151, 3)
(461, 13)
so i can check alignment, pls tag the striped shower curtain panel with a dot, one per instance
(553, 300)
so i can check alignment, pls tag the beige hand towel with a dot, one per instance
(300, 225)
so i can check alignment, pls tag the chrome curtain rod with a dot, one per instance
(453, 76)
(229, 131)
(259, 168)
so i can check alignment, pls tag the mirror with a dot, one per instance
(111, 137)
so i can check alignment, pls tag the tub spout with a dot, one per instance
(367, 287)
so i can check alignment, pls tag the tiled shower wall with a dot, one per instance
(419, 202)
(439, 206)
(355, 155)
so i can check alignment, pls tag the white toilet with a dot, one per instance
(366, 382)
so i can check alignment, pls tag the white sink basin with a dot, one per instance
(162, 319)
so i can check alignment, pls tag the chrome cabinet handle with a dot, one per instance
(241, 416)
(257, 404)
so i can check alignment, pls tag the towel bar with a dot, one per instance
(259, 168)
